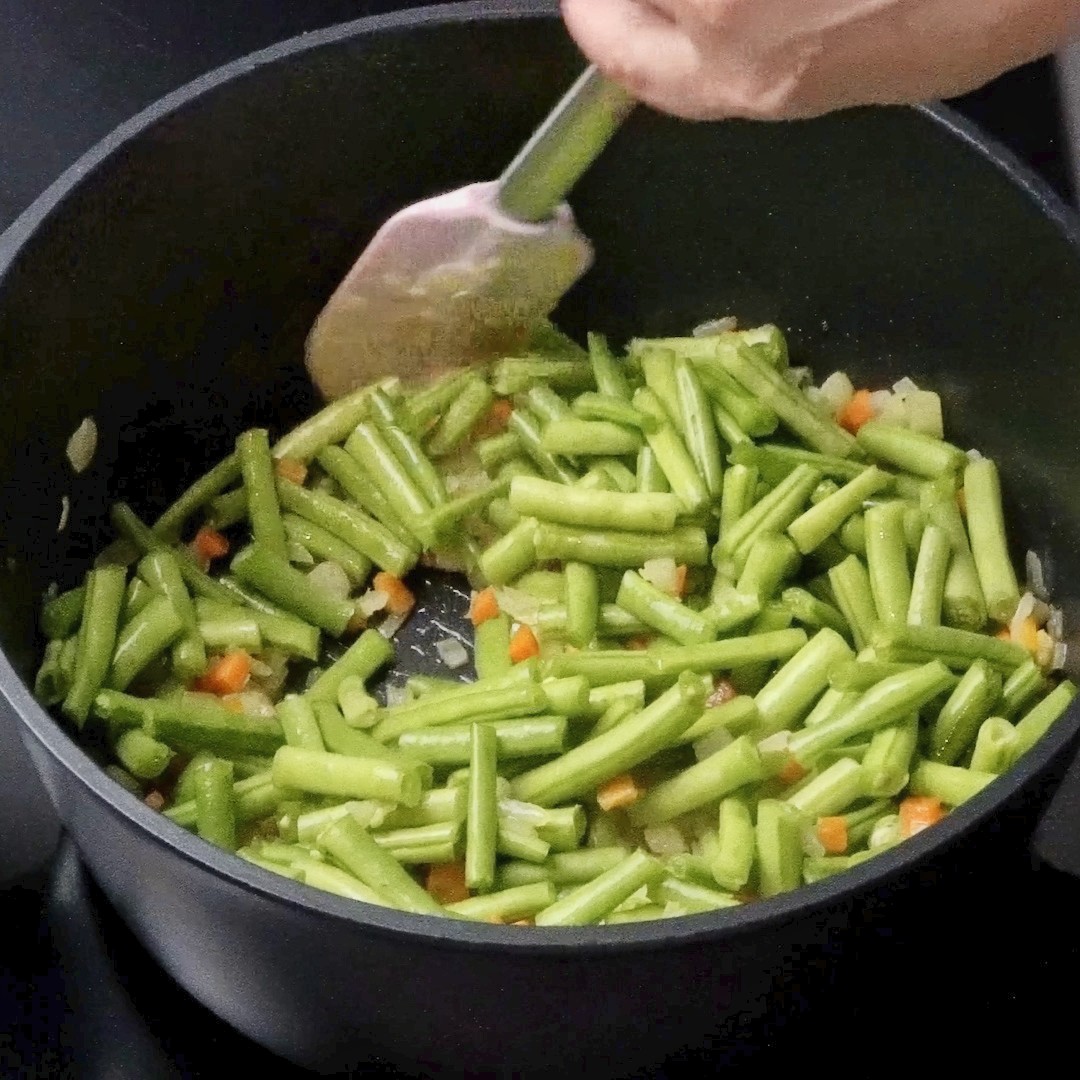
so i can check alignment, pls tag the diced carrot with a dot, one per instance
(1028, 635)
(495, 420)
(290, 469)
(723, 691)
(618, 793)
(918, 812)
(209, 544)
(523, 644)
(484, 606)
(639, 643)
(856, 412)
(792, 772)
(227, 675)
(680, 579)
(832, 832)
(961, 501)
(401, 599)
(446, 882)
(155, 800)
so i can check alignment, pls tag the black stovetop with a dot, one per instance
(78, 996)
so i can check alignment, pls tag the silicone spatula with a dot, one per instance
(464, 277)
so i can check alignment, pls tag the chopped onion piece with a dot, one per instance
(1023, 610)
(392, 624)
(1055, 623)
(811, 845)
(1034, 568)
(452, 653)
(82, 445)
(1061, 652)
(664, 840)
(713, 327)
(799, 376)
(894, 410)
(253, 703)
(837, 390)
(663, 573)
(709, 744)
(879, 400)
(974, 455)
(396, 695)
(820, 401)
(260, 669)
(521, 606)
(65, 510)
(904, 386)
(923, 408)
(777, 743)
(331, 579)
(373, 600)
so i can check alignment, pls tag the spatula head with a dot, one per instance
(444, 283)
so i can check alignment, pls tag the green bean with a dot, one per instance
(324, 773)
(773, 513)
(963, 604)
(143, 639)
(852, 534)
(367, 446)
(642, 913)
(491, 647)
(685, 544)
(507, 905)
(500, 514)
(442, 524)
(233, 593)
(522, 737)
(1021, 689)
(727, 427)
(227, 509)
(614, 410)
(225, 473)
(136, 596)
(949, 783)
(851, 585)
(325, 545)
(658, 369)
(340, 738)
(561, 827)
(298, 723)
(161, 570)
(860, 823)
(223, 627)
(460, 417)
(413, 845)
(728, 608)
(367, 812)
(523, 424)
(815, 525)
(197, 722)
(424, 406)
(436, 804)
(476, 703)
(568, 696)
(928, 580)
(862, 674)
(693, 897)
(624, 479)
(748, 411)
(787, 697)
(731, 653)
(285, 632)
(352, 478)
(720, 774)
(825, 866)
(481, 822)
(732, 858)
(968, 706)
(994, 746)
(957, 648)
(775, 461)
(287, 586)
(886, 703)
(886, 560)
(887, 761)
(142, 755)
(511, 555)
(771, 560)
(521, 842)
(740, 482)
(699, 427)
(582, 603)
(834, 789)
(824, 489)
(561, 869)
(737, 716)
(790, 404)
(353, 847)
(589, 438)
(50, 682)
(989, 547)
(332, 879)
(357, 706)
(96, 640)
(330, 425)
(257, 470)
(778, 847)
(60, 615)
(636, 512)
(215, 815)
(909, 450)
(671, 454)
(497, 450)
(591, 902)
(650, 477)
(607, 371)
(1036, 722)
(350, 525)
(812, 611)
(406, 449)
(662, 612)
(544, 403)
(581, 769)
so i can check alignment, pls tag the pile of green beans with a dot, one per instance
(753, 640)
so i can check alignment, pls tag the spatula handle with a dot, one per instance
(563, 147)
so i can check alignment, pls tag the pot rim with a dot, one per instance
(453, 934)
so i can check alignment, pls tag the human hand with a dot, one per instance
(787, 59)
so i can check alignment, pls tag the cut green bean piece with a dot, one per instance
(949, 783)
(720, 774)
(298, 723)
(222, 476)
(852, 534)
(257, 470)
(215, 814)
(851, 586)
(564, 868)
(1021, 689)
(614, 410)
(814, 526)
(481, 822)
(352, 478)
(222, 628)
(778, 847)
(772, 513)
(658, 368)
(142, 639)
(367, 446)
(963, 603)
(685, 544)
(525, 426)
(736, 716)
(989, 547)
(198, 722)
(909, 450)
(862, 674)
(732, 858)
(460, 417)
(770, 561)
(813, 612)
(886, 561)
(1036, 722)
(323, 773)
(693, 897)
(323, 544)
(928, 580)
(607, 371)
(427, 404)
(141, 755)
(699, 427)
(511, 555)
(406, 449)
(960, 717)
(491, 647)
(833, 790)
(582, 603)
(524, 737)
(662, 612)
(740, 483)
(731, 653)
(96, 640)
(671, 454)
(353, 847)
(994, 746)
(590, 438)
(957, 648)
(591, 902)
(775, 461)
(507, 905)
(746, 410)
(887, 761)
(650, 477)
(285, 632)
(636, 512)
(60, 615)
(728, 608)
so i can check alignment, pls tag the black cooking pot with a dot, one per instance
(165, 284)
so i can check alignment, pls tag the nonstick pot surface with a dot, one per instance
(166, 284)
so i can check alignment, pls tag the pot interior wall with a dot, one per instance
(170, 294)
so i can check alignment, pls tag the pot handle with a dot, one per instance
(1056, 840)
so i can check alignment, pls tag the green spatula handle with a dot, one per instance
(563, 147)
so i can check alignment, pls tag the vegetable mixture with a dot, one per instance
(734, 633)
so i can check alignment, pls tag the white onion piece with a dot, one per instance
(392, 624)
(777, 743)
(973, 455)
(713, 327)
(819, 401)
(1023, 610)
(664, 840)
(260, 669)
(1061, 652)
(811, 845)
(838, 390)
(330, 578)
(519, 605)
(373, 600)
(1055, 623)
(65, 511)
(253, 703)
(709, 744)
(82, 445)
(799, 376)
(663, 573)
(894, 410)
(879, 400)
(1034, 568)
(904, 386)
(396, 695)
(452, 653)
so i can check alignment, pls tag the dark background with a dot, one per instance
(70, 70)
